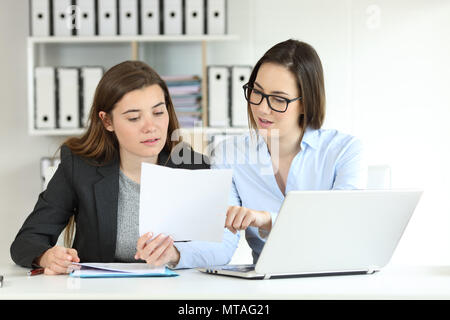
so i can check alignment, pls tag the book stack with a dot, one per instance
(185, 92)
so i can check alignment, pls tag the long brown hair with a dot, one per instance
(100, 146)
(303, 61)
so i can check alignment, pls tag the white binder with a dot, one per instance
(90, 78)
(150, 17)
(68, 98)
(56, 162)
(86, 17)
(40, 18)
(239, 76)
(107, 17)
(128, 17)
(173, 17)
(216, 16)
(194, 17)
(46, 164)
(218, 96)
(45, 98)
(63, 15)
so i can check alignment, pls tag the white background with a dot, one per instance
(387, 74)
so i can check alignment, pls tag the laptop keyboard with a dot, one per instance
(239, 268)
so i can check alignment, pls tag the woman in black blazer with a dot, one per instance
(132, 120)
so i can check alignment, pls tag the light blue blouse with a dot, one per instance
(327, 160)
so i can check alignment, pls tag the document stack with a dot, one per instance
(64, 96)
(185, 92)
(67, 18)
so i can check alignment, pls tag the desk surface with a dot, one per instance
(393, 282)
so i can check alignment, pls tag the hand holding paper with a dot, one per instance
(157, 251)
(185, 204)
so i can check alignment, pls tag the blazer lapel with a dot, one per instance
(106, 200)
(163, 158)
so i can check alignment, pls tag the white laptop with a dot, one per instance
(338, 232)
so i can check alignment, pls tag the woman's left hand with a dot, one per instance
(157, 252)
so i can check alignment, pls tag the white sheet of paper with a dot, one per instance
(137, 268)
(185, 204)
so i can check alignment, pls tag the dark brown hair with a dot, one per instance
(302, 60)
(100, 146)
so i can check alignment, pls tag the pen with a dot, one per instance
(35, 272)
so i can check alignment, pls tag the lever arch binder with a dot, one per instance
(150, 17)
(239, 76)
(68, 98)
(107, 17)
(40, 18)
(128, 17)
(218, 96)
(45, 98)
(172, 17)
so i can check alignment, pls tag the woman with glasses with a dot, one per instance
(287, 149)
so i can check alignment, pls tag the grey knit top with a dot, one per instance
(127, 219)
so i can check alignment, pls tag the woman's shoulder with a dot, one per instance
(67, 155)
(333, 140)
(76, 161)
(333, 137)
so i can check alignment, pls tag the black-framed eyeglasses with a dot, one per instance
(276, 103)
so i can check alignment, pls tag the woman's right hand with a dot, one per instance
(240, 218)
(57, 260)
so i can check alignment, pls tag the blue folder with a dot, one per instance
(93, 271)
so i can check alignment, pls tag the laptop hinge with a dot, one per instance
(373, 269)
(266, 276)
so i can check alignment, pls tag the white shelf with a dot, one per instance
(199, 130)
(56, 132)
(138, 38)
(34, 44)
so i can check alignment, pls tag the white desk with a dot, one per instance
(393, 282)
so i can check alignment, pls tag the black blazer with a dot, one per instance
(91, 194)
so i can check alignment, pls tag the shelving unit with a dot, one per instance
(134, 41)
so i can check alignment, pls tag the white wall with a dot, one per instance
(387, 78)
(20, 153)
(401, 104)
